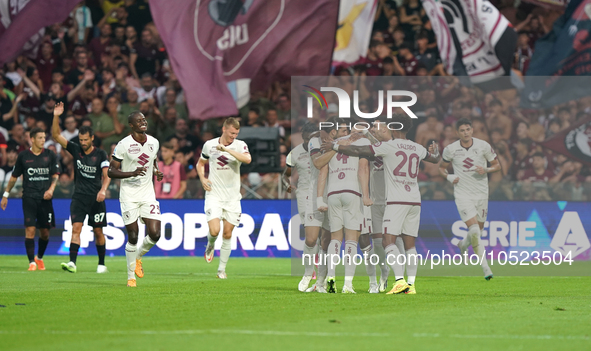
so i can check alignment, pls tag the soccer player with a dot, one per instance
(401, 159)
(316, 216)
(134, 162)
(90, 165)
(40, 172)
(299, 158)
(222, 198)
(469, 157)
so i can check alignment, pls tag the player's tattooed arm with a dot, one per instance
(322, 176)
(363, 175)
(58, 110)
(159, 175)
(206, 183)
(9, 187)
(49, 193)
(495, 167)
(116, 173)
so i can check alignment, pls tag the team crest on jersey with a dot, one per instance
(93, 159)
(151, 147)
(134, 150)
(578, 141)
(45, 159)
(222, 29)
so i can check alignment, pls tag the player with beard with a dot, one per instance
(91, 182)
(135, 160)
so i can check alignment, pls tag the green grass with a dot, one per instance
(179, 304)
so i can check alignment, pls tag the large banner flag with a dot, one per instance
(564, 51)
(473, 38)
(574, 142)
(23, 22)
(356, 18)
(215, 42)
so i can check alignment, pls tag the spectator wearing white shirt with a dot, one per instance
(147, 89)
(71, 130)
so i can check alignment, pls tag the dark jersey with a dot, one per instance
(88, 169)
(36, 171)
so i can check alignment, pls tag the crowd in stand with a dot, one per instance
(107, 60)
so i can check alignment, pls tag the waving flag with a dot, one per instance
(356, 19)
(215, 42)
(22, 23)
(563, 52)
(473, 38)
(574, 142)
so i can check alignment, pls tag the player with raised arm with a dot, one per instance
(316, 207)
(40, 172)
(299, 159)
(135, 160)
(222, 198)
(469, 157)
(401, 159)
(90, 165)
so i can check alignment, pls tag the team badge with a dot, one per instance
(222, 26)
(578, 141)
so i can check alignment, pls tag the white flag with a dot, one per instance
(356, 18)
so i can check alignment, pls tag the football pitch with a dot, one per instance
(180, 304)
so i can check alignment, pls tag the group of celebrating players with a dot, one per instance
(135, 162)
(360, 186)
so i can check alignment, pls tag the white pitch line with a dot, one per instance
(296, 333)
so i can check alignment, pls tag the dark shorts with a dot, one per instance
(38, 213)
(96, 211)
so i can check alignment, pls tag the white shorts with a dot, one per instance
(366, 228)
(402, 219)
(469, 209)
(377, 217)
(314, 218)
(301, 203)
(131, 211)
(344, 210)
(223, 210)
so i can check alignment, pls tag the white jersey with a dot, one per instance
(343, 171)
(377, 181)
(224, 169)
(401, 161)
(299, 159)
(133, 154)
(472, 185)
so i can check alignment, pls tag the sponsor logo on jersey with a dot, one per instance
(38, 171)
(468, 163)
(222, 161)
(342, 175)
(407, 187)
(143, 159)
(134, 150)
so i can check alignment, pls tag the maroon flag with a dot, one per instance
(214, 44)
(22, 23)
(574, 142)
